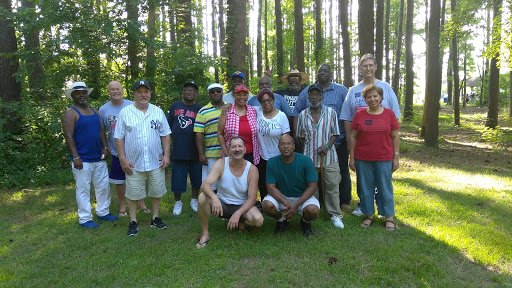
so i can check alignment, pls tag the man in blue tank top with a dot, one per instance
(87, 146)
(237, 181)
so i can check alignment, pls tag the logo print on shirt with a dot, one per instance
(156, 124)
(184, 123)
(368, 122)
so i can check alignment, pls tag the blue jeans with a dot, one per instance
(371, 173)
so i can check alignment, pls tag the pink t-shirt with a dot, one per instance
(374, 135)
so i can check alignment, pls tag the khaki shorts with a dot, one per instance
(136, 184)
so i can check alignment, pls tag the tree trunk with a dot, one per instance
(259, 55)
(510, 93)
(379, 37)
(133, 38)
(184, 26)
(150, 58)
(266, 36)
(172, 20)
(299, 35)
(494, 76)
(9, 65)
(319, 41)
(409, 62)
(279, 38)
(396, 70)
(345, 40)
(236, 35)
(455, 64)
(486, 61)
(464, 92)
(431, 117)
(365, 27)
(386, 40)
(215, 43)
(449, 81)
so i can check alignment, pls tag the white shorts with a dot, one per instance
(279, 206)
(206, 170)
(136, 184)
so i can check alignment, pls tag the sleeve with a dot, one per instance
(300, 129)
(170, 118)
(120, 126)
(103, 121)
(394, 121)
(270, 174)
(345, 109)
(253, 102)
(309, 168)
(335, 127)
(199, 123)
(301, 102)
(393, 101)
(283, 105)
(353, 125)
(284, 123)
(164, 129)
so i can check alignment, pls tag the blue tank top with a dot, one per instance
(87, 137)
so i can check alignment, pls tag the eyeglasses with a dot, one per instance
(216, 90)
(268, 100)
(368, 66)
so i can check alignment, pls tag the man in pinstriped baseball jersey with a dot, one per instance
(141, 131)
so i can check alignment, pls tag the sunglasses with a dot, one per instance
(218, 90)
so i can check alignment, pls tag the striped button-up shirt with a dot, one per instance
(141, 133)
(318, 134)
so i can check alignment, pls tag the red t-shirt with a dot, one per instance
(244, 131)
(374, 135)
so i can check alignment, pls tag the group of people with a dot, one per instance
(276, 142)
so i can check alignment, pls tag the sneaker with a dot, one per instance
(346, 207)
(177, 208)
(133, 229)
(258, 205)
(108, 217)
(357, 211)
(90, 224)
(336, 221)
(306, 227)
(157, 222)
(193, 204)
(281, 227)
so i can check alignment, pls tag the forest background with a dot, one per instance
(46, 45)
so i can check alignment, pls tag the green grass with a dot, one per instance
(453, 207)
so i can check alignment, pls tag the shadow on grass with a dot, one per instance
(48, 248)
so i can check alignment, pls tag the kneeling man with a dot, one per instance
(291, 183)
(237, 181)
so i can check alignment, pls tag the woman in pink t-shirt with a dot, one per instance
(374, 155)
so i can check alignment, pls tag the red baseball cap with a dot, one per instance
(241, 87)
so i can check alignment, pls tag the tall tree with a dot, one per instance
(365, 27)
(172, 20)
(455, 63)
(215, 41)
(398, 53)
(259, 55)
(150, 57)
(184, 27)
(9, 65)
(379, 37)
(319, 41)
(222, 29)
(430, 123)
(299, 35)
(345, 40)
(132, 14)
(494, 75)
(33, 47)
(279, 38)
(236, 35)
(386, 40)
(486, 59)
(266, 36)
(409, 62)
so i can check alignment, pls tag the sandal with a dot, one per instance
(122, 214)
(146, 210)
(367, 222)
(390, 228)
(200, 244)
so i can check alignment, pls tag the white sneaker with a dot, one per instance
(336, 221)
(177, 208)
(357, 212)
(193, 204)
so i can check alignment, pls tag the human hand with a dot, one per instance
(126, 166)
(225, 109)
(322, 150)
(77, 164)
(290, 211)
(396, 164)
(352, 164)
(233, 221)
(216, 207)
(202, 159)
(165, 161)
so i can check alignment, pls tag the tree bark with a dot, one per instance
(398, 53)
(236, 35)
(386, 40)
(279, 38)
(455, 67)
(215, 42)
(409, 63)
(150, 57)
(494, 75)
(184, 26)
(365, 27)
(431, 114)
(133, 38)
(345, 40)
(379, 37)
(266, 36)
(299, 35)
(259, 55)
(319, 41)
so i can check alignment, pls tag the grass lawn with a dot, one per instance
(453, 212)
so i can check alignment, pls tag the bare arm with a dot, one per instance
(220, 134)
(125, 164)
(346, 125)
(395, 140)
(200, 148)
(68, 128)
(322, 150)
(105, 152)
(252, 183)
(351, 147)
(166, 142)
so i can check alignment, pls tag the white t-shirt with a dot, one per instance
(269, 131)
(355, 100)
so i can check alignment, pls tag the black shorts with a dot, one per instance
(229, 209)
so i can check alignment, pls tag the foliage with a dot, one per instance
(501, 136)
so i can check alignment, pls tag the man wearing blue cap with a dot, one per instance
(185, 158)
(142, 129)
(237, 78)
(319, 128)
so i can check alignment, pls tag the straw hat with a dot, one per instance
(303, 76)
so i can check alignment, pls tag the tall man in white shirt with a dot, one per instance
(141, 131)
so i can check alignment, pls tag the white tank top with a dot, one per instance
(233, 190)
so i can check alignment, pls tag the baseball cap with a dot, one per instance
(191, 83)
(215, 85)
(239, 74)
(241, 87)
(314, 86)
(141, 83)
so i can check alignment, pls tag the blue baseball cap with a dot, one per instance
(314, 86)
(239, 74)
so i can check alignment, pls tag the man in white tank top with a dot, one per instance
(237, 181)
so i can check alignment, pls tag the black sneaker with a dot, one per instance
(281, 227)
(306, 227)
(157, 222)
(133, 229)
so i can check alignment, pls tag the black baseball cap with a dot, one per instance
(141, 83)
(191, 83)
(314, 86)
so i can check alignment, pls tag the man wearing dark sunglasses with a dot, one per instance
(205, 129)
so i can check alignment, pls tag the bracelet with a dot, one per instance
(327, 146)
(77, 157)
